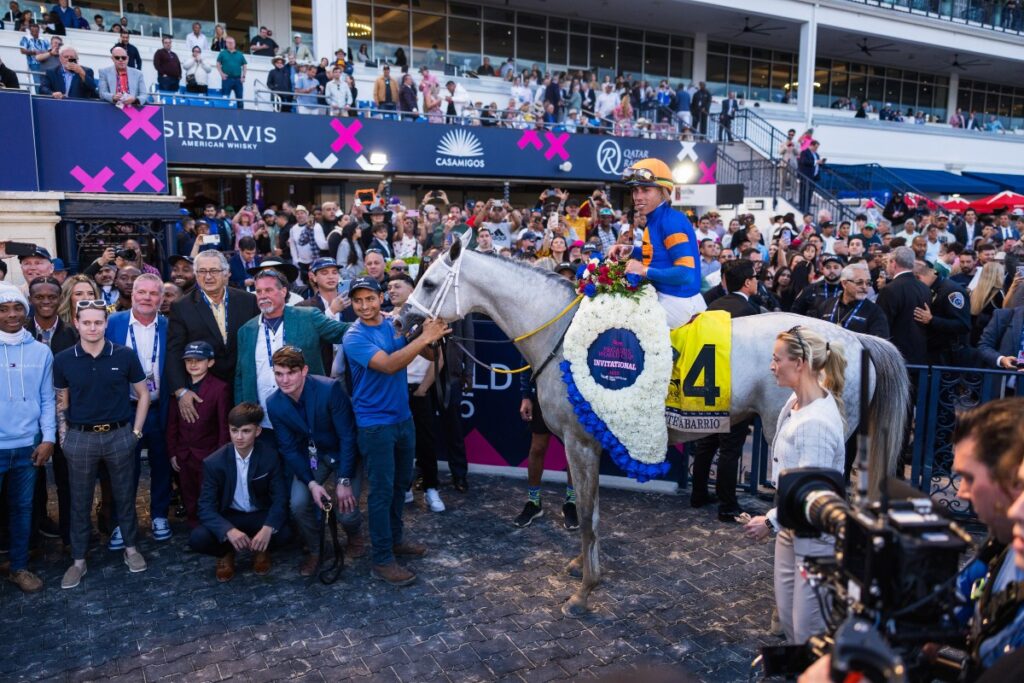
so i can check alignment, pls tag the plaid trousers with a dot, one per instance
(84, 452)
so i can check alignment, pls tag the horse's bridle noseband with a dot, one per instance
(451, 280)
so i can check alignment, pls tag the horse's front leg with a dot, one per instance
(584, 463)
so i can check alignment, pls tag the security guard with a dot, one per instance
(669, 257)
(852, 310)
(948, 317)
(812, 296)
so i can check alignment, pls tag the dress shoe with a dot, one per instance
(261, 563)
(26, 581)
(356, 546)
(460, 484)
(394, 574)
(308, 566)
(409, 549)
(699, 501)
(736, 516)
(226, 567)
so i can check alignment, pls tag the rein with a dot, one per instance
(329, 575)
(450, 282)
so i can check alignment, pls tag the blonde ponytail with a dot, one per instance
(826, 359)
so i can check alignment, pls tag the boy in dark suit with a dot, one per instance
(244, 502)
(189, 443)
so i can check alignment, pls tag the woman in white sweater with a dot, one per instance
(810, 434)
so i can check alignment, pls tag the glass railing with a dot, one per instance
(998, 15)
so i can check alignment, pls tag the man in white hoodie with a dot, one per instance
(29, 410)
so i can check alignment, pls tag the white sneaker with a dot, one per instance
(434, 500)
(408, 496)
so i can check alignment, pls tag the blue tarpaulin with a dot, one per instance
(1005, 181)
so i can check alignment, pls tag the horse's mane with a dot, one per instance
(551, 277)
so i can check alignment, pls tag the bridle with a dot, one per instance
(451, 281)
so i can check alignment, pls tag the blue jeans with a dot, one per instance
(231, 86)
(17, 463)
(389, 451)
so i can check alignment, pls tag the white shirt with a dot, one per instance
(810, 437)
(265, 384)
(416, 371)
(241, 501)
(338, 94)
(306, 253)
(192, 40)
(606, 103)
(709, 235)
(146, 338)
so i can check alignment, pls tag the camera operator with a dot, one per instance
(990, 463)
(809, 434)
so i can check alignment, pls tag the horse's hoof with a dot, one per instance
(575, 608)
(575, 568)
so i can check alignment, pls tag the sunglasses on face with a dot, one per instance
(400, 269)
(120, 59)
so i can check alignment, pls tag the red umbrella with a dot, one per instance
(957, 204)
(915, 199)
(998, 202)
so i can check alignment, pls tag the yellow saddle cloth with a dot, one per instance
(700, 393)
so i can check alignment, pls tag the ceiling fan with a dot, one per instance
(957, 64)
(867, 49)
(757, 29)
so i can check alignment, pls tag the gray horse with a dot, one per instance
(521, 298)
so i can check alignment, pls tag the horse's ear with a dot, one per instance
(456, 249)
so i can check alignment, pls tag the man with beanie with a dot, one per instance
(29, 411)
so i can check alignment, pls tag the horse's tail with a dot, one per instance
(888, 409)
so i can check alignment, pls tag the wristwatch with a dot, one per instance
(345, 481)
(137, 433)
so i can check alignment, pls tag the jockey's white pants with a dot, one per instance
(679, 310)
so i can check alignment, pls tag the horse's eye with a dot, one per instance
(428, 286)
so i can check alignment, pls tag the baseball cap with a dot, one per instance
(300, 207)
(364, 283)
(58, 265)
(269, 212)
(565, 265)
(37, 251)
(605, 211)
(832, 258)
(321, 263)
(199, 349)
(178, 257)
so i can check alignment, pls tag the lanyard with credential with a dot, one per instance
(845, 322)
(156, 345)
(266, 336)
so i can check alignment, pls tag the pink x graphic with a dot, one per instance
(707, 173)
(138, 119)
(96, 183)
(142, 172)
(346, 136)
(530, 137)
(557, 143)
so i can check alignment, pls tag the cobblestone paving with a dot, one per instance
(680, 589)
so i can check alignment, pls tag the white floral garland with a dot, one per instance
(634, 414)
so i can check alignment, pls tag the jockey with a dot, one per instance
(669, 255)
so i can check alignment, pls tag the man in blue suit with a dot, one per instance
(1005, 228)
(242, 261)
(70, 79)
(144, 330)
(316, 436)
(1002, 342)
(244, 497)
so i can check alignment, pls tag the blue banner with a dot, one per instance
(254, 139)
(19, 172)
(97, 147)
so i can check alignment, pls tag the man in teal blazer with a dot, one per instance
(276, 326)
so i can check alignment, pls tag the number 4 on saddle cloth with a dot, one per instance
(699, 395)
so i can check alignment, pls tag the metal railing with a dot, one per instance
(990, 14)
(750, 127)
(867, 178)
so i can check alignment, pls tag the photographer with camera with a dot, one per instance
(809, 434)
(989, 609)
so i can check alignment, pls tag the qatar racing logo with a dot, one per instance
(460, 149)
(609, 157)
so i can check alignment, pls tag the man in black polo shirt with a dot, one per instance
(92, 380)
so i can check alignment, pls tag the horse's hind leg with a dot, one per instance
(584, 463)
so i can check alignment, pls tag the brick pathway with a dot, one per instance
(678, 590)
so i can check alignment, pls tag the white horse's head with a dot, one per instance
(436, 294)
